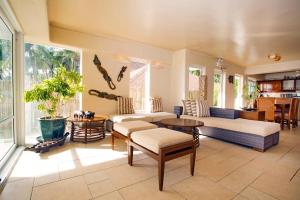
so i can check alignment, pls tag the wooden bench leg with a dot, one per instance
(161, 170)
(192, 161)
(130, 154)
(112, 141)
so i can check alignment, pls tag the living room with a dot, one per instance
(169, 99)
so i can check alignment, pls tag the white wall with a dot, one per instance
(183, 59)
(113, 55)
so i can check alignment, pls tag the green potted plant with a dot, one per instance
(249, 97)
(52, 93)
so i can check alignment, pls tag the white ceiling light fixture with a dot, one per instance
(220, 64)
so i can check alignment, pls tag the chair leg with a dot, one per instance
(192, 161)
(130, 154)
(161, 171)
(112, 141)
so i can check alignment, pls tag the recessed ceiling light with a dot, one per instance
(274, 56)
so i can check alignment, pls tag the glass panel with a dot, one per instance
(138, 85)
(217, 98)
(6, 137)
(237, 91)
(40, 63)
(6, 79)
(194, 83)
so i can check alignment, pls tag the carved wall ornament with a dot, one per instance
(103, 71)
(121, 73)
(104, 95)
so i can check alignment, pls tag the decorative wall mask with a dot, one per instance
(103, 95)
(121, 73)
(103, 71)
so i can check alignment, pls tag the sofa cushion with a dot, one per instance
(160, 116)
(154, 139)
(128, 127)
(240, 125)
(130, 117)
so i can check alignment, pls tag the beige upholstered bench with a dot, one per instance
(123, 129)
(162, 145)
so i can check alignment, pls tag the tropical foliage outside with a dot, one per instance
(41, 62)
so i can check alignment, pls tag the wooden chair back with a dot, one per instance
(267, 104)
(294, 109)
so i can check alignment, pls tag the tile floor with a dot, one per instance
(223, 171)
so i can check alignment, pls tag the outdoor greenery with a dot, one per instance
(217, 90)
(250, 93)
(52, 92)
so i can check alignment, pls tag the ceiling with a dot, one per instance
(241, 31)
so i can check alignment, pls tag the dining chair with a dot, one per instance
(290, 117)
(296, 111)
(267, 104)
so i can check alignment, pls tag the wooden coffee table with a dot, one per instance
(87, 130)
(185, 125)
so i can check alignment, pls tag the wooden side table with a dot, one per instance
(87, 130)
(253, 115)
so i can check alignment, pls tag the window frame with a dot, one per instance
(13, 117)
(240, 92)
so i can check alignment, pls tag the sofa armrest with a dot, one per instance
(224, 113)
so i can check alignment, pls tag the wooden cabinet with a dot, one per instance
(270, 86)
(297, 84)
(288, 85)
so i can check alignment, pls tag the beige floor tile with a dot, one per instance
(125, 175)
(253, 194)
(199, 187)
(217, 170)
(95, 177)
(17, 190)
(239, 197)
(73, 189)
(240, 178)
(177, 175)
(110, 196)
(148, 190)
(44, 179)
(277, 186)
(101, 188)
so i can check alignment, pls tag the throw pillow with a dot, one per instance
(190, 107)
(203, 109)
(156, 104)
(125, 105)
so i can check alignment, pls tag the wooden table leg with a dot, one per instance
(196, 136)
(282, 116)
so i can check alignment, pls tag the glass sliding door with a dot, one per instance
(238, 101)
(7, 140)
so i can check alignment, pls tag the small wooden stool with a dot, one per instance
(162, 145)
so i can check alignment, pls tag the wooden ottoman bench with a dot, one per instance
(122, 129)
(162, 145)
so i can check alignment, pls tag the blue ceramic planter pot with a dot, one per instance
(52, 128)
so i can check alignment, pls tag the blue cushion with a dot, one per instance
(224, 113)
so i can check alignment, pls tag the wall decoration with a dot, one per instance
(103, 71)
(121, 73)
(103, 95)
(230, 79)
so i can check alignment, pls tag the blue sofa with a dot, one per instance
(226, 125)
